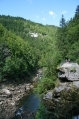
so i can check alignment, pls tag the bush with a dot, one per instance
(44, 85)
(14, 68)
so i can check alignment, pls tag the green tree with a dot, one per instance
(62, 22)
(61, 42)
(1, 30)
(77, 11)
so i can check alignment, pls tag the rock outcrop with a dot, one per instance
(70, 71)
(63, 99)
(62, 102)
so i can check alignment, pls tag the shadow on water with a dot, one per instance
(28, 108)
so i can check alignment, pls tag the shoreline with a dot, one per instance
(10, 95)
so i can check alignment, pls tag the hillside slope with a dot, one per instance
(27, 52)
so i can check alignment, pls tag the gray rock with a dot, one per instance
(69, 71)
(31, 86)
(63, 98)
(48, 96)
(76, 84)
(1, 102)
(6, 91)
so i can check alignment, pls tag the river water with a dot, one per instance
(30, 105)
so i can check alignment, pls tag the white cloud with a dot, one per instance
(64, 12)
(44, 19)
(52, 14)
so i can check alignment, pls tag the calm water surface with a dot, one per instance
(29, 107)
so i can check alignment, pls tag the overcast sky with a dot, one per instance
(40, 11)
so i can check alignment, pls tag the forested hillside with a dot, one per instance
(21, 53)
(26, 46)
(68, 37)
(16, 56)
(66, 45)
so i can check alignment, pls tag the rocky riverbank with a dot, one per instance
(10, 95)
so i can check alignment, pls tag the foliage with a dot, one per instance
(14, 68)
(20, 53)
(44, 85)
(41, 114)
(16, 57)
(50, 48)
(21, 49)
(66, 45)
(1, 30)
(68, 38)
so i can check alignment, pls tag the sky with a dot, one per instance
(40, 11)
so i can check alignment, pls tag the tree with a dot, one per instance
(1, 30)
(77, 12)
(62, 22)
(61, 42)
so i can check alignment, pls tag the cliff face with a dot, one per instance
(63, 101)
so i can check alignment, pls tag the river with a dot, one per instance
(28, 107)
(29, 104)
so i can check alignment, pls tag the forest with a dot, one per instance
(21, 53)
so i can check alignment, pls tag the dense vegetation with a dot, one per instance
(21, 53)
(67, 46)
(16, 58)
(68, 38)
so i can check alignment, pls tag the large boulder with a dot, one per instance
(69, 71)
(6, 92)
(63, 100)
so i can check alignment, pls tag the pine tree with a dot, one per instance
(61, 38)
(62, 22)
(77, 12)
